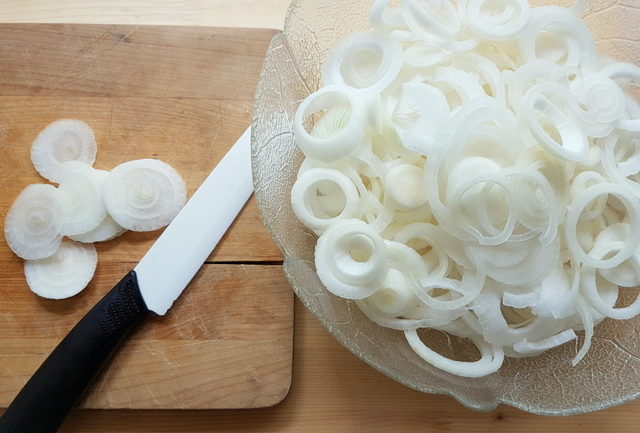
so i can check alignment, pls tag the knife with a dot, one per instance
(150, 288)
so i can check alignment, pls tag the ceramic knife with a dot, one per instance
(149, 289)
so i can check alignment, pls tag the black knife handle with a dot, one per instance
(67, 373)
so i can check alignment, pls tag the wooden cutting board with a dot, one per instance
(182, 95)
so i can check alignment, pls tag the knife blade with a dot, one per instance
(151, 287)
(197, 229)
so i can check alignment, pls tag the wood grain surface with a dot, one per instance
(332, 390)
(225, 13)
(182, 95)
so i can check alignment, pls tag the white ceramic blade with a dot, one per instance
(173, 260)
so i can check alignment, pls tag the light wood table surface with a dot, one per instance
(332, 390)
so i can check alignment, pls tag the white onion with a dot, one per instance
(421, 109)
(65, 273)
(435, 258)
(423, 55)
(81, 189)
(107, 230)
(403, 185)
(438, 24)
(536, 106)
(439, 17)
(383, 17)
(611, 238)
(473, 167)
(345, 140)
(322, 196)
(591, 281)
(505, 25)
(490, 361)
(487, 71)
(350, 259)
(144, 194)
(632, 73)
(61, 141)
(631, 204)
(587, 324)
(367, 62)
(496, 330)
(568, 36)
(33, 224)
(534, 348)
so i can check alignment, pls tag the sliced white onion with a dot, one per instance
(420, 316)
(475, 186)
(440, 17)
(375, 113)
(591, 280)
(350, 259)
(424, 55)
(421, 109)
(626, 274)
(455, 248)
(496, 329)
(492, 164)
(537, 264)
(331, 122)
(556, 171)
(367, 62)
(477, 135)
(465, 85)
(504, 54)
(65, 273)
(345, 140)
(421, 236)
(484, 128)
(621, 159)
(530, 74)
(599, 105)
(580, 183)
(507, 24)
(107, 230)
(322, 196)
(534, 348)
(632, 206)
(61, 141)
(520, 300)
(395, 297)
(32, 225)
(630, 72)
(535, 205)
(536, 107)
(491, 359)
(82, 195)
(587, 324)
(487, 71)
(554, 33)
(404, 187)
(144, 194)
(466, 290)
(419, 19)
(557, 293)
(384, 17)
(610, 239)
(459, 327)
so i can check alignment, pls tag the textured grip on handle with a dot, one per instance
(67, 373)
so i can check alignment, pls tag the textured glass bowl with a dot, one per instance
(546, 384)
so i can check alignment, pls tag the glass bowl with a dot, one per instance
(545, 384)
